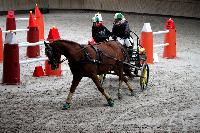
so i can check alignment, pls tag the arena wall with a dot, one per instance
(186, 8)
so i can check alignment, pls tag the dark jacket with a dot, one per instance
(100, 33)
(121, 30)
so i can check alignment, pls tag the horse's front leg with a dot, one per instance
(101, 89)
(102, 78)
(125, 79)
(75, 82)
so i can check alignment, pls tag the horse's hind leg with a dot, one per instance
(122, 78)
(101, 89)
(120, 90)
(75, 83)
(119, 72)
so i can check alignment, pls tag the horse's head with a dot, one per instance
(53, 54)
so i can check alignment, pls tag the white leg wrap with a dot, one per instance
(69, 97)
(129, 86)
(120, 87)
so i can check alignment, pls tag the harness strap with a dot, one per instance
(98, 51)
(88, 58)
(125, 53)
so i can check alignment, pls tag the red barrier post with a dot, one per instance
(11, 66)
(32, 37)
(1, 46)
(146, 41)
(170, 50)
(10, 21)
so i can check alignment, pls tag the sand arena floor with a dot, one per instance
(171, 103)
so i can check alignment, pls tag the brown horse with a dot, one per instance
(89, 61)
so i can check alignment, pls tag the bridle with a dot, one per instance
(63, 60)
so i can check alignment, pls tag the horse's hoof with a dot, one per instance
(119, 96)
(133, 93)
(66, 106)
(110, 102)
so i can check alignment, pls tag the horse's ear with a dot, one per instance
(46, 44)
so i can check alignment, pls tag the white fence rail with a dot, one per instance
(22, 19)
(33, 60)
(160, 45)
(17, 30)
(25, 44)
(160, 32)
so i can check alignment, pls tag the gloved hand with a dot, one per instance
(114, 37)
(126, 35)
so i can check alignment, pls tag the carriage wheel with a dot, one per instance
(144, 78)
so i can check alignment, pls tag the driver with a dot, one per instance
(121, 32)
(99, 32)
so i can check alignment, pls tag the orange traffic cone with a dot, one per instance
(38, 72)
(50, 72)
(146, 41)
(170, 24)
(39, 22)
(1, 46)
(170, 50)
(31, 20)
(53, 36)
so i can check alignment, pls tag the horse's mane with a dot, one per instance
(67, 41)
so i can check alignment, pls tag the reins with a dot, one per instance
(82, 49)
